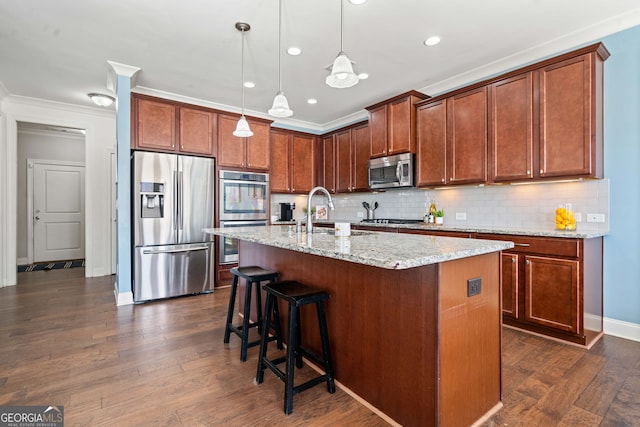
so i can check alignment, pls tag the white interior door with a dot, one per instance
(58, 212)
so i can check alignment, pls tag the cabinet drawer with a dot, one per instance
(539, 245)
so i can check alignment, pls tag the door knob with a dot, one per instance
(37, 218)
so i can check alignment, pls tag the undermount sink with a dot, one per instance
(331, 231)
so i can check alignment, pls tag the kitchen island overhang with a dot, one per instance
(406, 336)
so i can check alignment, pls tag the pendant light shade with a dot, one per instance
(242, 128)
(280, 106)
(342, 74)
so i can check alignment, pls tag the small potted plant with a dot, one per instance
(439, 217)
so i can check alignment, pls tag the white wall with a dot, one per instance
(40, 144)
(100, 141)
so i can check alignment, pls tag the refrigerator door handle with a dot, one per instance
(174, 251)
(174, 209)
(180, 203)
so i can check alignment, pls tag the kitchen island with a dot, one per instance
(413, 333)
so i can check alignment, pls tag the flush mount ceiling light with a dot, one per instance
(242, 128)
(101, 100)
(342, 75)
(280, 106)
(432, 41)
(357, 1)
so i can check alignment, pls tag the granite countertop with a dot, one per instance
(378, 249)
(518, 231)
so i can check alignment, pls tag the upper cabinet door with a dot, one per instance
(567, 118)
(343, 161)
(156, 125)
(467, 132)
(230, 148)
(432, 144)
(328, 164)
(258, 147)
(280, 176)
(360, 140)
(196, 131)
(511, 128)
(378, 129)
(401, 126)
(302, 164)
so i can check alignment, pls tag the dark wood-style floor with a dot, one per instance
(64, 342)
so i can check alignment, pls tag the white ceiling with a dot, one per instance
(190, 50)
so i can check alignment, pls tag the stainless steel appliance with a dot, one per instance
(243, 202)
(286, 211)
(391, 172)
(172, 203)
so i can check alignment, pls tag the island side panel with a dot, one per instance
(382, 326)
(470, 334)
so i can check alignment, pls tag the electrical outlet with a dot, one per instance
(595, 217)
(461, 216)
(474, 286)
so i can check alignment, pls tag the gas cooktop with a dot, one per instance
(392, 221)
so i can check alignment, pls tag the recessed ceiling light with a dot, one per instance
(294, 51)
(432, 41)
(363, 76)
(249, 84)
(312, 101)
(357, 1)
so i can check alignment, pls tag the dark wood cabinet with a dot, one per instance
(570, 94)
(196, 131)
(467, 137)
(392, 125)
(510, 269)
(250, 153)
(345, 158)
(328, 163)
(511, 129)
(293, 159)
(154, 124)
(452, 140)
(552, 290)
(553, 286)
(543, 121)
(431, 158)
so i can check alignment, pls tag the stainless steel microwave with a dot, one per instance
(391, 172)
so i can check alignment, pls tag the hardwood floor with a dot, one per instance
(64, 342)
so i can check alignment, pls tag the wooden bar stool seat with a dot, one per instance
(296, 295)
(253, 275)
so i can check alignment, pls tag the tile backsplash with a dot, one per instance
(531, 205)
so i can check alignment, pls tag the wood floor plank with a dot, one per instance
(164, 364)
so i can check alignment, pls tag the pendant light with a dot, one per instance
(242, 128)
(342, 74)
(280, 106)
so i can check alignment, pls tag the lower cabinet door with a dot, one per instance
(510, 285)
(552, 293)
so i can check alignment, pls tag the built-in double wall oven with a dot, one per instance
(243, 202)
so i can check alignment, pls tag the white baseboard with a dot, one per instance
(622, 329)
(122, 298)
(22, 261)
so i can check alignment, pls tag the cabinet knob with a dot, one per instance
(513, 260)
(442, 179)
(527, 262)
(541, 170)
(528, 172)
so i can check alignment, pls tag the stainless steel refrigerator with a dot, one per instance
(173, 200)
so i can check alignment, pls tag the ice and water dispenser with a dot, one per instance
(152, 200)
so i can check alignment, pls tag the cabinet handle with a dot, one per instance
(526, 245)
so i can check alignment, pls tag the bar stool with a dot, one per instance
(296, 294)
(252, 275)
